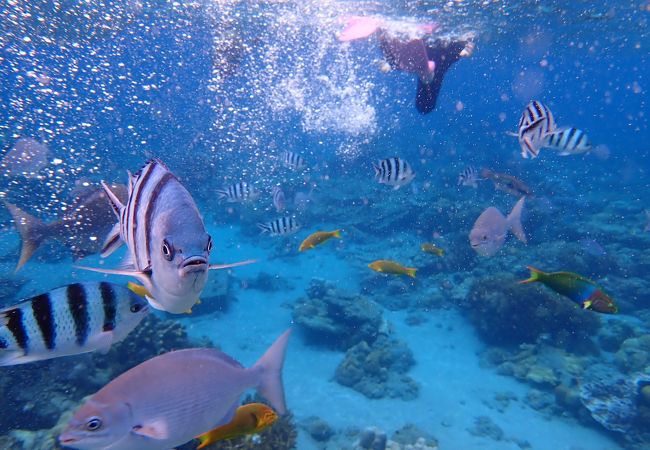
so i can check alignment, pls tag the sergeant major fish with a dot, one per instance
(74, 319)
(170, 399)
(280, 227)
(535, 124)
(168, 246)
(239, 193)
(279, 200)
(468, 177)
(394, 172)
(292, 160)
(568, 141)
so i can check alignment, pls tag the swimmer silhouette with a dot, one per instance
(428, 60)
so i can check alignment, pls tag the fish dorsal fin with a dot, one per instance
(132, 180)
(112, 242)
(154, 429)
(113, 199)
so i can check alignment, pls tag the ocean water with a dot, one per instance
(461, 355)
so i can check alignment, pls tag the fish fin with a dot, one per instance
(113, 199)
(377, 170)
(227, 266)
(13, 358)
(396, 187)
(586, 304)
(142, 276)
(222, 193)
(337, 234)
(132, 179)
(511, 133)
(514, 220)
(534, 275)
(102, 342)
(270, 366)
(127, 263)
(264, 228)
(410, 271)
(112, 242)
(138, 289)
(32, 230)
(156, 429)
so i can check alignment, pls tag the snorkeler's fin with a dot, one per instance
(427, 95)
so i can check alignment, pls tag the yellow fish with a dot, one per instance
(249, 419)
(318, 238)
(386, 266)
(432, 248)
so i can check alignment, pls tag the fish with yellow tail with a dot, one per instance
(249, 419)
(318, 238)
(581, 290)
(432, 248)
(392, 267)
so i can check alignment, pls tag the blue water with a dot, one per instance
(219, 89)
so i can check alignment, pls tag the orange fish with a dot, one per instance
(249, 419)
(318, 238)
(386, 266)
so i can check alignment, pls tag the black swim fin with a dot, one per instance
(427, 95)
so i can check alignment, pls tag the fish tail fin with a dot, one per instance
(410, 271)
(514, 219)
(337, 234)
(32, 230)
(222, 193)
(112, 242)
(113, 199)
(377, 170)
(270, 366)
(534, 275)
(441, 252)
(264, 228)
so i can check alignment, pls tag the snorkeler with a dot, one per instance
(408, 47)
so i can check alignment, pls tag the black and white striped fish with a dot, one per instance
(394, 172)
(168, 246)
(279, 200)
(74, 319)
(239, 193)
(534, 126)
(568, 141)
(292, 160)
(280, 227)
(468, 177)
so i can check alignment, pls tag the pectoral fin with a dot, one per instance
(227, 266)
(142, 276)
(155, 429)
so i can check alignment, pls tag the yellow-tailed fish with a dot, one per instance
(432, 248)
(392, 267)
(318, 238)
(249, 419)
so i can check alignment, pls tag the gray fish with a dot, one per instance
(74, 319)
(280, 227)
(172, 398)
(168, 246)
(239, 193)
(394, 172)
(26, 158)
(534, 126)
(87, 218)
(491, 228)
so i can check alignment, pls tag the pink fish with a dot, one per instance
(358, 27)
(491, 228)
(168, 400)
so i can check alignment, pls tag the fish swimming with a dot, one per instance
(581, 290)
(568, 141)
(86, 219)
(468, 177)
(26, 158)
(535, 124)
(168, 246)
(279, 200)
(249, 419)
(392, 267)
(507, 183)
(432, 248)
(170, 399)
(70, 320)
(239, 193)
(292, 160)
(491, 228)
(318, 238)
(394, 172)
(283, 226)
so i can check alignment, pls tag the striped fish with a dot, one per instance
(394, 172)
(468, 177)
(239, 193)
(280, 227)
(168, 246)
(279, 200)
(292, 160)
(74, 319)
(569, 141)
(534, 126)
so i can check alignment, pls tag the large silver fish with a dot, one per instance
(172, 398)
(168, 246)
(74, 319)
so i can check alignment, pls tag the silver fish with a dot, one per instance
(168, 246)
(491, 228)
(239, 193)
(534, 126)
(279, 200)
(468, 177)
(26, 158)
(568, 141)
(74, 319)
(172, 398)
(394, 172)
(292, 160)
(280, 227)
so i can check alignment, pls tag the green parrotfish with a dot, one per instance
(581, 290)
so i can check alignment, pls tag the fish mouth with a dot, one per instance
(194, 264)
(67, 440)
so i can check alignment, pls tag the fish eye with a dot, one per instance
(209, 243)
(93, 424)
(136, 307)
(484, 237)
(167, 250)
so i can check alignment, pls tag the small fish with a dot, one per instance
(534, 126)
(26, 158)
(491, 228)
(469, 177)
(239, 193)
(507, 183)
(394, 172)
(170, 399)
(581, 290)
(74, 319)
(392, 267)
(87, 218)
(279, 201)
(168, 246)
(432, 248)
(318, 238)
(568, 141)
(292, 160)
(283, 226)
(249, 419)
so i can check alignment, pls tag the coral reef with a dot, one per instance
(317, 428)
(218, 294)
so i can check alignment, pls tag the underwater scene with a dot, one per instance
(319, 224)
